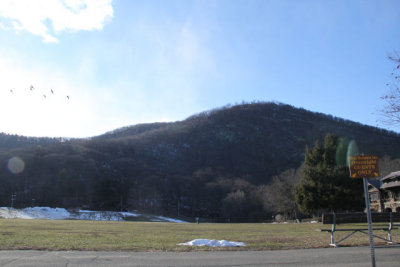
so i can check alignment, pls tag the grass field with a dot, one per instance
(152, 236)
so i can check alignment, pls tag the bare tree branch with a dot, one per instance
(390, 112)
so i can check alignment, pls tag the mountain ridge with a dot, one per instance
(195, 167)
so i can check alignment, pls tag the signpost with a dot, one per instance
(366, 167)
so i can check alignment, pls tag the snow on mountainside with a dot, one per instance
(47, 213)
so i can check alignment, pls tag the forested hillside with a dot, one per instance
(11, 141)
(213, 165)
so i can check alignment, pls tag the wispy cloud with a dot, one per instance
(3, 27)
(181, 62)
(47, 18)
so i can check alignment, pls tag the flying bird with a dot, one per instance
(44, 96)
(68, 96)
(11, 91)
(31, 88)
(52, 91)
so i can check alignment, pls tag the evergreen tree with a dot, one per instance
(325, 184)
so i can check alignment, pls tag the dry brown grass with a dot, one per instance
(152, 236)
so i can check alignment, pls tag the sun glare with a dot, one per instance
(16, 165)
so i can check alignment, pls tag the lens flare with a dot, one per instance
(344, 150)
(341, 152)
(352, 150)
(16, 165)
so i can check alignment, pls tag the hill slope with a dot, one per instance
(202, 166)
(257, 139)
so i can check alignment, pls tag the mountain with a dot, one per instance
(209, 165)
(131, 130)
(12, 141)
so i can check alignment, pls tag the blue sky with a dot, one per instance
(128, 62)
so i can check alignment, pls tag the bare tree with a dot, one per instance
(388, 165)
(391, 109)
(278, 196)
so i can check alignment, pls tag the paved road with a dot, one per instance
(388, 256)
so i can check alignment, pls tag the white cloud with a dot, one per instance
(47, 18)
(3, 27)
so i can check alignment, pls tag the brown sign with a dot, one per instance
(364, 167)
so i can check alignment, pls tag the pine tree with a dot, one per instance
(325, 184)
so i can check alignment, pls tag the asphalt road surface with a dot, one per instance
(355, 256)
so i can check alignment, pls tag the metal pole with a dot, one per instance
(13, 197)
(371, 237)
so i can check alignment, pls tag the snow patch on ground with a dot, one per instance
(163, 219)
(97, 216)
(62, 214)
(47, 213)
(34, 213)
(213, 243)
(129, 214)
